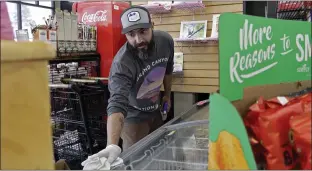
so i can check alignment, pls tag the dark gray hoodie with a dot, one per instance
(135, 83)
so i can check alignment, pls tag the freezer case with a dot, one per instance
(181, 144)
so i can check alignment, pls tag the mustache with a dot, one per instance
(141, 44)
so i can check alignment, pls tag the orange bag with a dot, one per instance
(268, 123)
(259, 153)
(301, 138)
(251, 119)
(274, 127)
(253, 128)
(306, 102)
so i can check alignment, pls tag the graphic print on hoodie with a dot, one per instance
(148, 86)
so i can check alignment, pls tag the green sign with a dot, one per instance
(229, 147)
(258, 51)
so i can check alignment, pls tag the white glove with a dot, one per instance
(111, 152)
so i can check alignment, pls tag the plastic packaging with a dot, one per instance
(268, 127)
(300, 138)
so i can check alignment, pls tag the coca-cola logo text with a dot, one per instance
(96, 17)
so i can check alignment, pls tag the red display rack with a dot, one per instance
(294, 10)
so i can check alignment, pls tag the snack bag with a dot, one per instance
(253, 127)
(306, 102)
(268, 123)
(274, 128)
(251, 119)
(300, 138)
(259, 153)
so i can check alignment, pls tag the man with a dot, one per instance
(139, 69)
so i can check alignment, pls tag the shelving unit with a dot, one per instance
(159, 9)
(201, 57)
(74, 67)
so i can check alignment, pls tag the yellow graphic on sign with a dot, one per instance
(226, 153)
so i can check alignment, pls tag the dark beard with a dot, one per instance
(142, 53)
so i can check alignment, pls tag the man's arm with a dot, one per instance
(168, 77)
(114, 127)
(119, 84)
(167, 85)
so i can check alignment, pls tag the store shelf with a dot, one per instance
(74, 67)
(76, 57)
(157, 8)
(294, 10)
(179, 6)
(205, 40)
(190, 42)
(189, 6)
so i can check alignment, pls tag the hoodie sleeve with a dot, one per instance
(119, 85)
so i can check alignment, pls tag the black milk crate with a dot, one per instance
(78, 111)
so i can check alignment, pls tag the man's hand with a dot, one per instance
(166, 99)
(111, 152)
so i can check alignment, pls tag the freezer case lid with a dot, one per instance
(182, 144)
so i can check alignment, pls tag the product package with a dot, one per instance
(67, 30)
(59, 16)
(261, 106)
(251, 122)
(268, 127)
(300, 138)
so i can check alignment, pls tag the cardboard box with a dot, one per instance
(251, 94)
(26, 135)
(41, 34)
(52, 38)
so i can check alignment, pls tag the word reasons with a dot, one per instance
(250, 37)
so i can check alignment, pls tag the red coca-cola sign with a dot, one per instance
(93, 17)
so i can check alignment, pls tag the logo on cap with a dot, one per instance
(134, 16)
